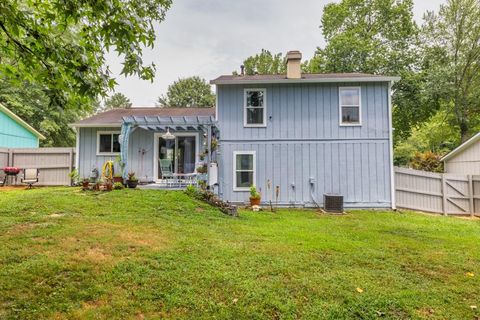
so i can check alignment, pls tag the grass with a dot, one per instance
(67, 254)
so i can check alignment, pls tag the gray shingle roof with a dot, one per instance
(306, 77)
(115, 116)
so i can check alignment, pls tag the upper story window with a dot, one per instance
(350, 106)
(255, 108)
(108, 142)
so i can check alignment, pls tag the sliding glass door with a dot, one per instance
(181, 152)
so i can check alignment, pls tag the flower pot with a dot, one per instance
(255, 201)
(117, 179)
(132, 183)
(85, 184)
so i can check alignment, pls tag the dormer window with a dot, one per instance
(350, 106)
(255, 109)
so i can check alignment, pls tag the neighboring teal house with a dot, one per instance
(16, 133)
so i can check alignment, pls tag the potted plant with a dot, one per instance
(75, 177)
(85, 183)
(108, 185)
(117, 178)
(132, 180)
(202, 168)
(118, 186)
(255, 196)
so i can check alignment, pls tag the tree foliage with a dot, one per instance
(372, 36)
(117, 100)
(188, 92)
(61, 45)
(377, 37)
(437, 134)
(265, 63)
(452, 49)
(32, 104)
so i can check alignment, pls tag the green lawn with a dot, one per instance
(69, 254)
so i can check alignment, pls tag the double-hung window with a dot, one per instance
(108, 142)
(255, 108)
(244, 173)
(350, 106)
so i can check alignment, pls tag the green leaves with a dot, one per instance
(118, 100)
(188, 92)
(61, 44)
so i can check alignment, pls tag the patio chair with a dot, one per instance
(3, 177)
(166, 170)
(30, 176)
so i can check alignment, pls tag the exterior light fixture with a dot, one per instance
(168, 135)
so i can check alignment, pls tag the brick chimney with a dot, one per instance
(294, 59)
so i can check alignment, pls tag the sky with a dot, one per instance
(209, 38)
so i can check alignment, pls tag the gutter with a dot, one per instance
(95, 125)
(303, 80)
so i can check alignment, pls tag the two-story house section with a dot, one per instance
(298, 136)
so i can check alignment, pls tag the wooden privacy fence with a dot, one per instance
(437, 192)
(54, 164)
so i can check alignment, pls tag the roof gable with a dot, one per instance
(20, 121)
(461, 148)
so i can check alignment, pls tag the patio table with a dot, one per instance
(188, 178)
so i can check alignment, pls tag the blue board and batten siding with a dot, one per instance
(139, 162)
(140, 152)
(14, 135)
(303, 140)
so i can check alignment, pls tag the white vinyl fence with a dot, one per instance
(54, 164)
(437, 192)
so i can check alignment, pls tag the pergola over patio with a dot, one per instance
(204, 124)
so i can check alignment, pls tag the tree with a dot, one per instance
(31, 103)
(188, 92)
(436, 135)
(118, 100)
(61, 44)
(265, 63)
(452, 49)
(372, 36)
(379, 37)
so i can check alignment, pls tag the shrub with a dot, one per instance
(118, 186)
(427, 161)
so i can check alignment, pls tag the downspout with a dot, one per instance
(77, 149)
(390, 140)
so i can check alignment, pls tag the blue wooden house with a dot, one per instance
(15, 132)
(295, 136)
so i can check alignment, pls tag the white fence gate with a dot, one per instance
(54, 164)
(437, 192)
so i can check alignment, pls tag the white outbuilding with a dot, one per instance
(465, 159)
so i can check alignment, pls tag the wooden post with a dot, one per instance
(444, 195)
(471, 195)
(70, 163)
(209, 151)
(10, 158)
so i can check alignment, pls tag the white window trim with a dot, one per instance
(259, 125)
(156, 150)
(235, 153)
(98, 143)
(342, 124)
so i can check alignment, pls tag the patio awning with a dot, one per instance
(185, 123)
(205, 124)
